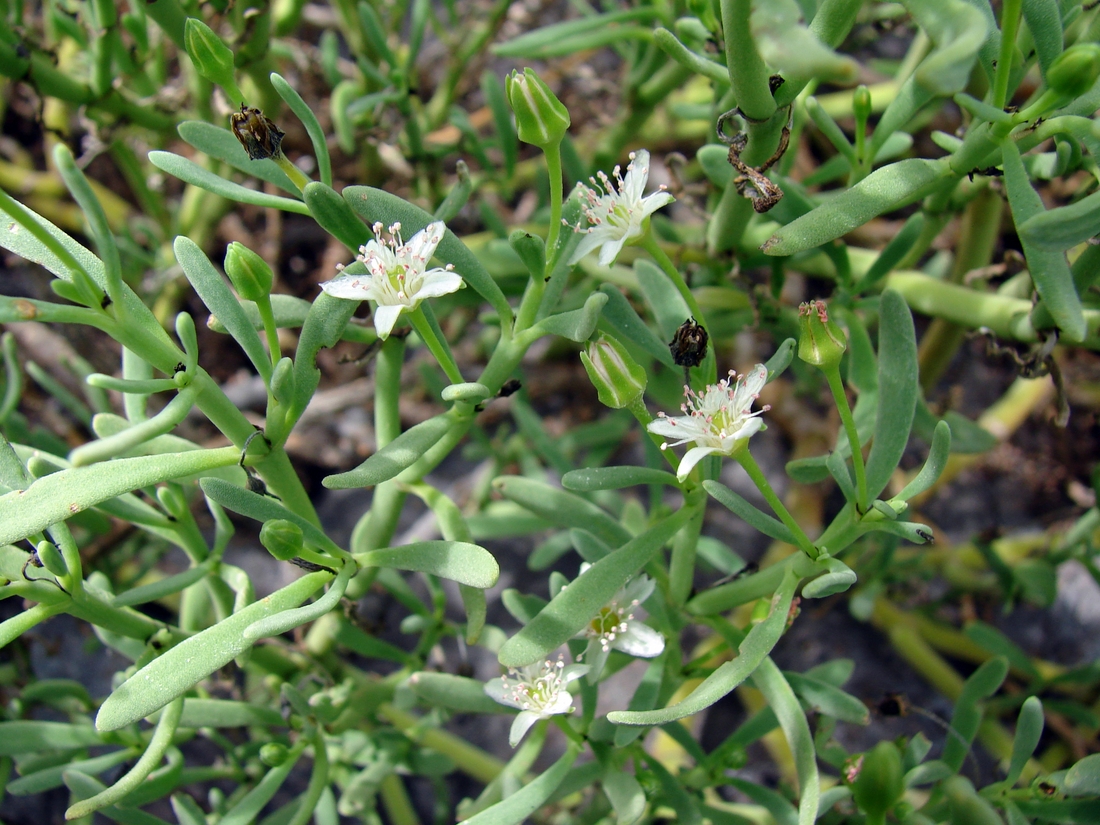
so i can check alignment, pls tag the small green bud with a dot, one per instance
(541, 119)
(880, 782)
(1075, 70)
(273, 754)
(212, 58)
(189, 339)
(282, 381)
(51, 558)
(861, 104)
(283, 539)
(618, 379)
(250, 274)
(821, 342)
(531, 250)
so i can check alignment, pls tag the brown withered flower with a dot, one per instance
(258, 134)
(689, 344)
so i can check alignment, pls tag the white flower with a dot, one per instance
(615, 627)
(539, 691)
(716, 421)
(616, 216)
(397, 279)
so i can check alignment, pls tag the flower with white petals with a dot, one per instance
(397, 278)
(616, 216)
(717, 421)
(539, 691)
(615, 627)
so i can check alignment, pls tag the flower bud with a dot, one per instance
(861, 105)
(821, 342)
(250, 274)
(619, 380)
(879, 784)
(212, 58)
(51, 558)
(541, 119)
(282, 381)
(273, 754)
(282, 538)
(1075, 70)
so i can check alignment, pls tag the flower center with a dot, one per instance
(539, 689)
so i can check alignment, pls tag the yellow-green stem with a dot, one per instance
(297, 177)
(745, 459)
(441, 352)
(1010, 26)
(836, 386)
(270, 330)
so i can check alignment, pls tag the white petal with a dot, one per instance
(350, 287)
(496, 690)
(636, 177)
(520, 725)
(438, 282)
(589, 242)
(611, 249)
(690, 459)
(682, 428)
(571, 672)
(750, 428)
(562, 703)
(756, 378)
(654, 202)
(422, 245)
(384, 319)
(638, 589)
(640, 640)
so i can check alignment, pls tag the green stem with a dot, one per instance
(836, 386)
(745, 459)
(270, 329)
(553, 169)
(297, 177)
(437, 346)
(1010, 26)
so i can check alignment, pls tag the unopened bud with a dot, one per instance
(541, 119)
(282, 381)
(879, 784)
(861, 104)
(212, 58)
(282, 539)
(821, 342)
(618, 378)
(249, 273)
(273, 754)
(1075, 70)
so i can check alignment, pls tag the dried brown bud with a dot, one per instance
(258, 134)
(689, 344)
